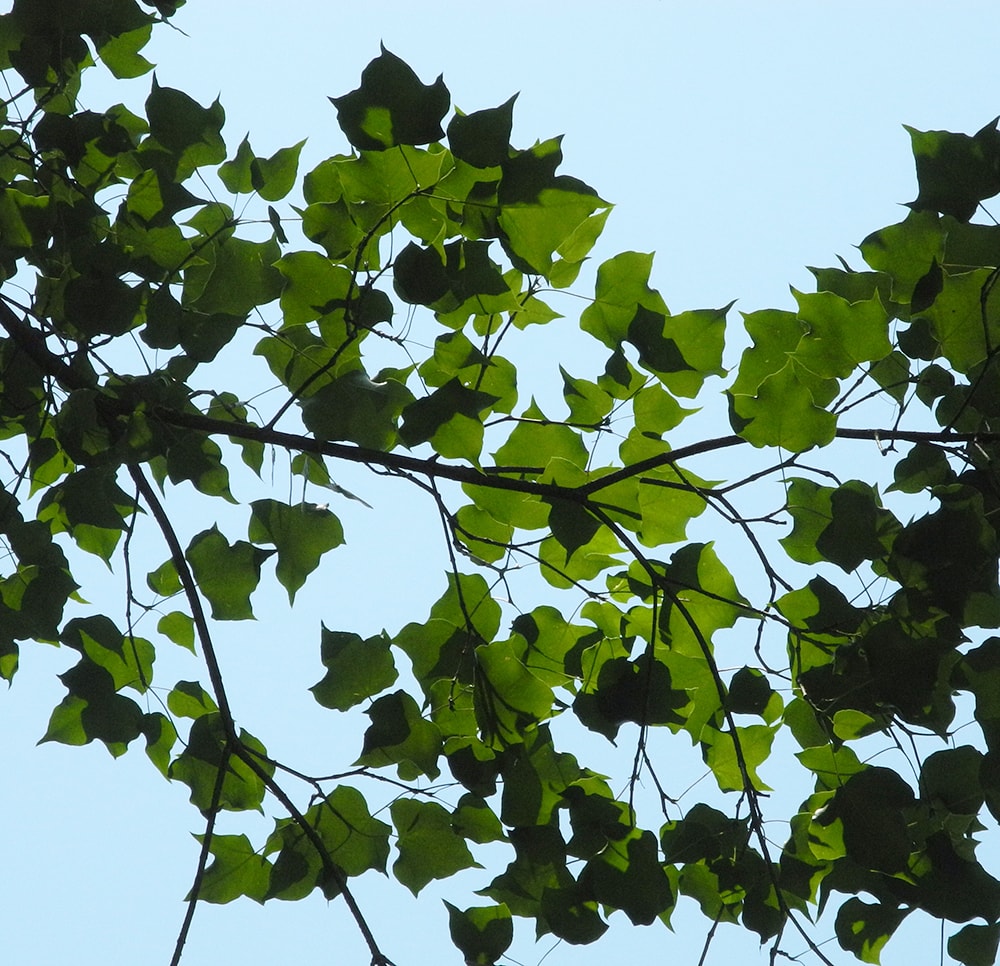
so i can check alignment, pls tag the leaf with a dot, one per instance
(160, 736)
(482, 138)
(190, 700)
(906, 251)
(92, 710)
(622, 288)
(640, 691)
(226, 575)
(572, 525)
(840, 335)
(120, 54)
(783, 413)
(199, 460)
(354, 842)
(975, 945)
(206, 752)
(845, 525)
(957, 318)
(301, 534)
(355, 408)
(475, 820)
(272, 178)
(535, 233)
(511, 698)
(952, 777)
(955, 171)
(536, 441)
(178, 627)
(392, 107)
(429, 847)
(750, 693)
(233, 277)
(863, 928)
(129, 660)
(628, 875)
(235, 870)
(482, 933)
(400, 736)
(450, 418)
(188, 133)
(719, 750)
(356, 669)
(870, 805)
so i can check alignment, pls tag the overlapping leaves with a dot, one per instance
(428, 216)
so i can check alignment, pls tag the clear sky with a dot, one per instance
(739, 141)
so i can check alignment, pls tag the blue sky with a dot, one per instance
(739, 141)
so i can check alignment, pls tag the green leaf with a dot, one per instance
(975, 945)
(481, 933)
(226, 575)
(199, 459)
(161, 736)
(92, 710)
(871, 807)
(400, 736)
(354, 842)
(301, 534)
(963, 318)
(680, 349)
(450, 418)
(863, 928)
(206, 752)
(353, 407)
(120, 54)
(572, 525)
(487, 538)
(719, 750)
(955, 171)
(482, 138)
(950, 557)
(233, 276)
(187, 133)
(535, 233)
(190, 700)
(783, 413)
(587, 402)
(475, 820)
(845, 525)
(629, 875)
(356, 669)
(429, 848)
(831, 766)
(235, 870)
(750, 693)
(129, 660)
(622, 289)
(640, 691)
(706, 596)
(840, 335)
(392, 107)
(537, 442)
(272, 178)
(923, 466)
(312, 282)
(906, 251)
(510, 698)
(952, 777)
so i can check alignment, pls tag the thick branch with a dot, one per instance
(511, 477)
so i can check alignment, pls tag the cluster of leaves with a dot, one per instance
(102, 224)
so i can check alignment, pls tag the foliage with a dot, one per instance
(867, 622)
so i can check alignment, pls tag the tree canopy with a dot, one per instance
(651, 561)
